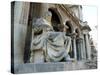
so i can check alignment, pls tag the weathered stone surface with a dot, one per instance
(37, 56)
(48, 41)
(50, 67)
(21, 11)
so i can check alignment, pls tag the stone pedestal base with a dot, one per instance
(50, 67)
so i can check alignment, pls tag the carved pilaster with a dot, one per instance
(21, 12)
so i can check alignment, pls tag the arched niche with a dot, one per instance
(56, 20)
(77, 31)
(70, 27)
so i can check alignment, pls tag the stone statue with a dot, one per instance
(58, 46)
(47, 45)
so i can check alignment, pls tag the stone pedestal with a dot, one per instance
(50, 67)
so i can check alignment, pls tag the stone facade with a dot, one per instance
(59, 18)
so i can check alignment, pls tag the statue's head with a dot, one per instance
(41, 25)
(47, 16)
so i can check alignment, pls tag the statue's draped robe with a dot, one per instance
(55, 45)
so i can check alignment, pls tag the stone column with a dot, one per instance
(80, 48)
(84, 50)
(85, 30)
(21, 12)
(44, 9)
(39, 10)
(88, 49)
(74, 46)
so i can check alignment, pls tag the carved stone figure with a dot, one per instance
(47, 45)
(58, 46)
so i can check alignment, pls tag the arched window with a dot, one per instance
(55, 20)
(70, 28)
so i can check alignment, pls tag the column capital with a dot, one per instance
(79, 39)
(74, 35)
(85, 31)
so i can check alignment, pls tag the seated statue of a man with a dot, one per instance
(58, 46)
(47, 45)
